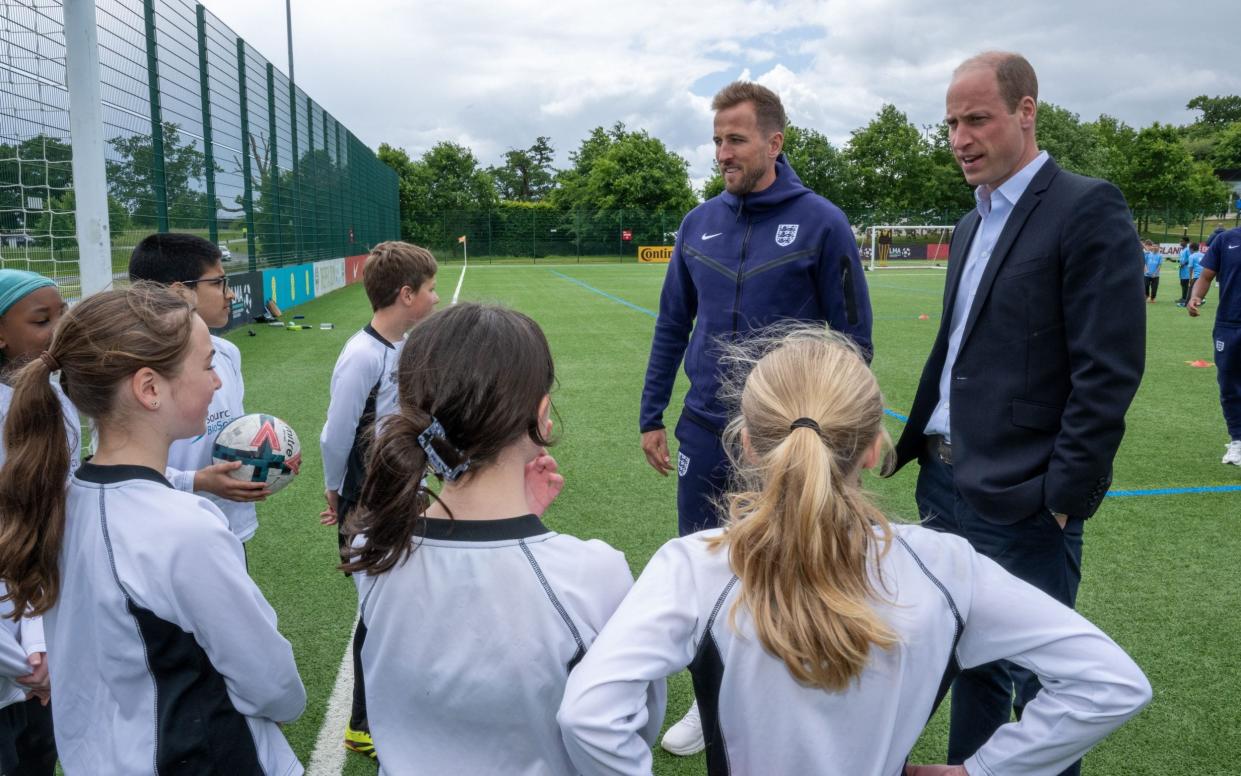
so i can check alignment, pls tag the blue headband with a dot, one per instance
(17, 284)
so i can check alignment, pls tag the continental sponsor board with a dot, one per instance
(655, 254)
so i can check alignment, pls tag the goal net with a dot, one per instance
(909, 246)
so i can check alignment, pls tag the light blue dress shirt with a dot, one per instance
(994, 206)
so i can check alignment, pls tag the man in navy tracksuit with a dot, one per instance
(766, 250)
(1223, 261)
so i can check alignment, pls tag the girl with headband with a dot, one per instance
(30, 306)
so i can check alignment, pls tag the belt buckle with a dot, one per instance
(942, 449)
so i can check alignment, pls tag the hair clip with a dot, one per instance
(436, 462)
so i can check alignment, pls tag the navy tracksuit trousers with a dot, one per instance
(702, 474)
(1228, 372)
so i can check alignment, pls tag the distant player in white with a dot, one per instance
(818, 635)
(476, 612)
(163, 654)
(190, 264)
(399, 279)
(30, 306)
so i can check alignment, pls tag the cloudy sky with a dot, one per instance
(494, 74)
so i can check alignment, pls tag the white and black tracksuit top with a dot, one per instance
(943, 600)
(187, 456)
(469, 642)
(20, 639)
(363, 390)
(164, 655)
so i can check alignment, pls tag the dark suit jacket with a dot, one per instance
(1052, 353)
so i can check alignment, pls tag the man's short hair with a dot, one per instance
(767, 105)
(1013, 72)
(172, 258)
(391, 266)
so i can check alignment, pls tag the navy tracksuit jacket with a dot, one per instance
(741, 264)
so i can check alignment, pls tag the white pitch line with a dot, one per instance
(460, 280)
(328, 758)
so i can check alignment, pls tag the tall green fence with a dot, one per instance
(203, 135)
(523, 231)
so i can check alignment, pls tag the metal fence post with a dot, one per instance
(272, 184)
(297, 182)
(246, 142)
(159, 184)
(204, 87)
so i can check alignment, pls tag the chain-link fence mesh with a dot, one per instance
(202, 135)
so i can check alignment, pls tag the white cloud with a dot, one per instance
(495, 75)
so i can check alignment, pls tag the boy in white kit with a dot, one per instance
(188, 263)
(399, 279)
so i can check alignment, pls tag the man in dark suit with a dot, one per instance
(1040, 350)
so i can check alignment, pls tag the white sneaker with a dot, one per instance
(685, 737)
(1232, 456)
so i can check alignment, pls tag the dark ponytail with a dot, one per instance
(480, 371)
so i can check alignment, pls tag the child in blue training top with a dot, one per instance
(1185, 268)
(1153, 261)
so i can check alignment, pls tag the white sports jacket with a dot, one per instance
(164, 656)
(944, 599)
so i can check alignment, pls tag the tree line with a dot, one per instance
(890, 169)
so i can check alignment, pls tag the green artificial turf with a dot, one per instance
(1158, 570)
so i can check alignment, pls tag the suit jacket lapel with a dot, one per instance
(1003, 246)
(958, 250)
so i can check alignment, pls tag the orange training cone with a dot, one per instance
(1200, 364)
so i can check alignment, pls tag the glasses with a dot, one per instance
(221, 281)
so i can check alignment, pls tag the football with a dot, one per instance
(267, 447)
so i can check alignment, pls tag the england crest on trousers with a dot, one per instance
(786, 234)
(1219, 346)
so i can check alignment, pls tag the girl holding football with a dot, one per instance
(162, 650)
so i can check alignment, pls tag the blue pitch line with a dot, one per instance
(1131, 493)
(1174, 491)
(605, 294)
(905, 419)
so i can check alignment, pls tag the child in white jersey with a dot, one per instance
(818, 634)
(399, 279)
(476, 612)
(193, 265)
(30, 306)
(163, 654)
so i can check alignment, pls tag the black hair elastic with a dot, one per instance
(805, 423)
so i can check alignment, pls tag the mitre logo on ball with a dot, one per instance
(266, 446)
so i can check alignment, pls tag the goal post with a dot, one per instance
(908, 245)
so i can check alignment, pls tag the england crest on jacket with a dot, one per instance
(786, 234)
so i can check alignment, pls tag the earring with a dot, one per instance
(155, 404)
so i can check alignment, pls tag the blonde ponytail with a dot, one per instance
(802, 536)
